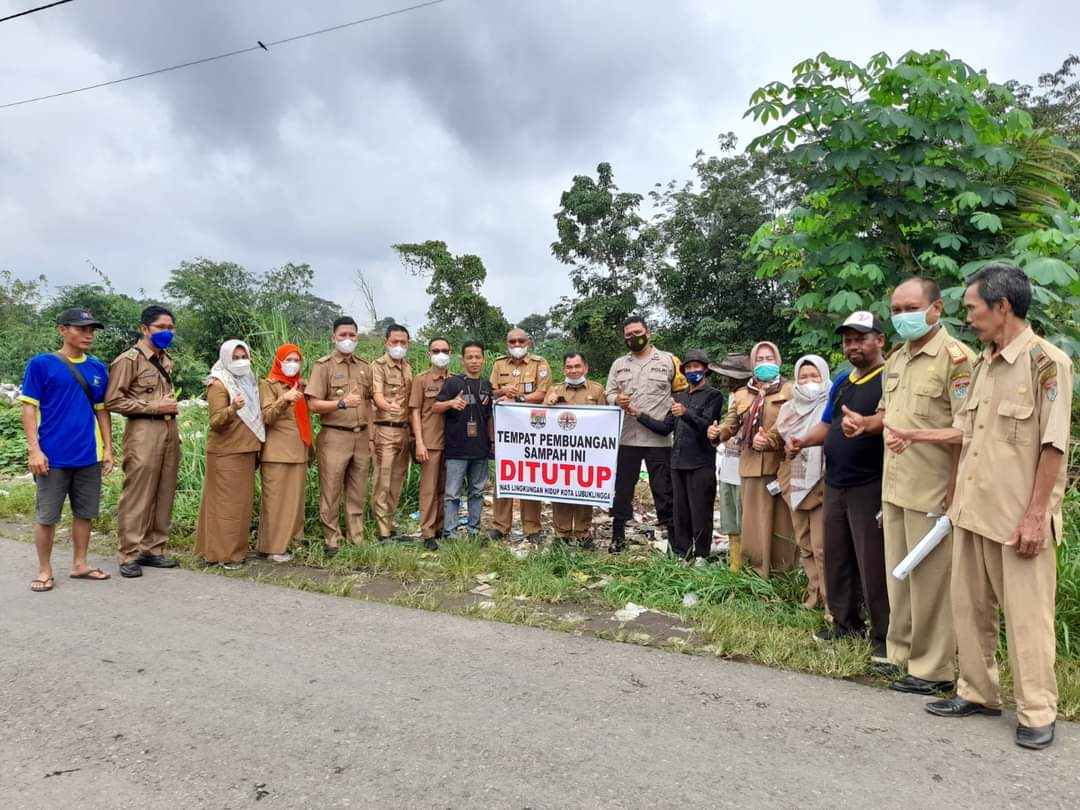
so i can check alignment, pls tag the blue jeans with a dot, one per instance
(457, 470)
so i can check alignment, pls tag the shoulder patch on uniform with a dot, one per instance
(131, 354)
(1046, 369)
(324, 358)
(956, 353)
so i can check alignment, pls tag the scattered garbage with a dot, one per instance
(487, 604)
(521, 552)
(484, 579)
(600, 583)
(483, 590)
(690, 599)
(629, 612)
(414, 516)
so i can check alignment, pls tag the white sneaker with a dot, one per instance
(280, 558)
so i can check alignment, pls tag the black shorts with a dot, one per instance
(81, 484)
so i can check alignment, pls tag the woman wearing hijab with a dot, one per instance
(232, 451)
(801, 477)
(285, 455)
(767, 536)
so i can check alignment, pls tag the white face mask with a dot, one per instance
(575, 380)
(517, 352)
(240, 368)
(290, 368)
(811, 389)
(440, 359)
(397, 352)
(346, 346)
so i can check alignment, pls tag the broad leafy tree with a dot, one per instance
(215, 302)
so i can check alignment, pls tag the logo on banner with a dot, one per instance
(567, 420)
(538, 418)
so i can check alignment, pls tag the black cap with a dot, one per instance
(861, 321)
(695, 356)
(78, 317)
(736, 366)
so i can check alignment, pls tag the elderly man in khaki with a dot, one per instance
(141, 389)
(926, 383)
(518, 377)
(391, 381)
(427, 427)
(573, 521)
(1014, 431)
(339, 390)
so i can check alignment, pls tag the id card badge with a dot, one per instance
(472, 430)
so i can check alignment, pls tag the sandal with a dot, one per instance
(94, 574)
(45, 585)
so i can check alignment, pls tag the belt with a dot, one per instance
(359, 429)
(160, 417)
(392, 424)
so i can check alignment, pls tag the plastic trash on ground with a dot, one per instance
(690, 599)
(629, 612)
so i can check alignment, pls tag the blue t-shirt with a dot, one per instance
(67, 428)
(826, 415)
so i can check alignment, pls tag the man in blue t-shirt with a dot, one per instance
(69, 441)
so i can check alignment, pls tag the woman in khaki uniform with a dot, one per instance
(232, 452)
(284, 462)
(767, 536)
(802, 476)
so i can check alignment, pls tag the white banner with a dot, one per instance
(561, 453)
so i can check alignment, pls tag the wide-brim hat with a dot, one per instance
(735, 365)
(694, 356)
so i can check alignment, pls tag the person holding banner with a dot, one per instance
(572, 521)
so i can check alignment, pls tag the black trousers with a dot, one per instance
(695, 495)
(855, 559)
(627, 471)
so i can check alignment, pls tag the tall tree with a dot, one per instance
(286, 291)
(1055, 106)
(216, 302)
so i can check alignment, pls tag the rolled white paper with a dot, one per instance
(923, 548)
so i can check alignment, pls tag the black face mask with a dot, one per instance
(636, 343)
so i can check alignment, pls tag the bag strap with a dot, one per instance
(79, 378)
(161, 369)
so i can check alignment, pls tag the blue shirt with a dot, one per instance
(826, 415)
(67, 425)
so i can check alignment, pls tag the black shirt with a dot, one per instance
(692, 448)
(858, 461)
(457, 443)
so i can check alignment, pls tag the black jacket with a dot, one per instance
(692, 448)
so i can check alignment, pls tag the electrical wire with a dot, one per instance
(32, 10)
(260, 46)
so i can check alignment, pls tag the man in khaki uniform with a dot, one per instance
(391, 380)
(1014, 432)
(518, 377)
(574, 521)
(141, 389)
(926, 383)
(339, 390)
(427, 427)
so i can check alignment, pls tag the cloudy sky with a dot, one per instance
(461, 122)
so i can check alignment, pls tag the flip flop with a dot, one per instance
(47, 585)
(89, 573)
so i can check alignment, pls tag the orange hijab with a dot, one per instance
(303, 416)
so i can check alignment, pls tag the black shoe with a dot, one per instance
(958, 707)
(920, 686)
(618, 537)
(1034, 737)
(878, 654)
(157, 561)
(494, 535)
(331, 551)
(431, 544)
(587, 544)
(131, 570)
(536, 538)
(832, 633)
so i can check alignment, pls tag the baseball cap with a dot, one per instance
(735, 366)
(696, 356)
(861, 321)
(78, 317)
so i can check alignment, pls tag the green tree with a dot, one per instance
(537, 326)
(287, 291)
(458, 309)
(1055, 106)
(22, 332)
(118, 311)
(921, 167)
(215, 301)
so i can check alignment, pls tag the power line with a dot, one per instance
(260, 46)
(32, 10)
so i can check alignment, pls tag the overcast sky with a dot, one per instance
(461, 122)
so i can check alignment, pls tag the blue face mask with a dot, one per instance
(694, 377)
(162, 340)
(766, 372)
(910, 325)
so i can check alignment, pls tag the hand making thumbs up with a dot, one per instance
(760, 441)
(853, 424)
(713, 432)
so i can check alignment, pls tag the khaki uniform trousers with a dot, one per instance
(151, 468)
(767, 536)
(571, 520)
(504, 515)
(432, 492)
(281, 511)
(920, 610)
(809, 527)
(344, 458)
(987, 575)
(391, 464)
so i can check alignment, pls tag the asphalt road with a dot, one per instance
(189, 690)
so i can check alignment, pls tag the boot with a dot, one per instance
(618, 537)
(735, 552)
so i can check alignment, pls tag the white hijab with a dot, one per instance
(251, 413)
(797, 416)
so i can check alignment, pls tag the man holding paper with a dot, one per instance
(926, 383)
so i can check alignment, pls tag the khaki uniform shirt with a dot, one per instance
(1018, 402)
(393, 380)
(334, 377)
(425, 387)
(135, 384)
(529, 374)
(923, 390)
(228, 433)
(588, 393)
(754, 463)
(650, 382)
(283, 443)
